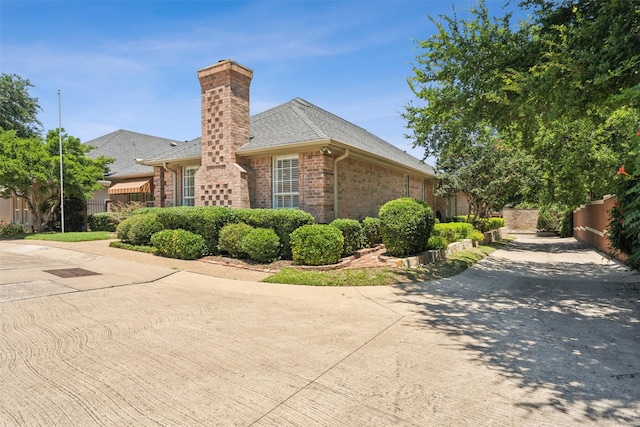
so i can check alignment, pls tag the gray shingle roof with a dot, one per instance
(300, 121)
(183, 150)
(296, 121)
(125, 147)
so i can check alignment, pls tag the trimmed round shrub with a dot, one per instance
(317, 244)
(261, 244)
(371, 231)
(180, 244)
(477, 236)
(230, 239)
(352, 233)
(405, 226)
(437, 242)
(141, 228)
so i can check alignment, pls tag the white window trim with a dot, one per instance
(184, 177)
(406, 186)
(275, 183)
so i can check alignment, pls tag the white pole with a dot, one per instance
(61, 175)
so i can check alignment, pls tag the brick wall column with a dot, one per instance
(225, 128)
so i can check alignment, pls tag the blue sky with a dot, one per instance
(132, 64)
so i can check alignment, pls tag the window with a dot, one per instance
(422, 184)
(189, 186)
(406, 186)
(286, 182)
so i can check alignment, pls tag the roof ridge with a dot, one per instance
(295, 104)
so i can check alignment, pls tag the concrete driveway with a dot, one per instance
(543, 333)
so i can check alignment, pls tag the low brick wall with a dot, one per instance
(495, 235)
(520, 219)
(432, 256)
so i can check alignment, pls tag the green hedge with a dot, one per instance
(371, 231)
(317, 244)
(205, 221)
(282, 221)
(230, 239)
(138, 229)
(405, 226)
(261, 244)
(453, 231)
(104, 221)
(180, 244)
(352, 233)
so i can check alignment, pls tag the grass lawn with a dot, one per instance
(448, 267)
(83, 236)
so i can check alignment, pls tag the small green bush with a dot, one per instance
(141, 228)
(405, 226)
(566, 223)
(352, 233)
(261, 244)
(230, 239)
(453, 231)
(494, 224)
(371, 231)
(477, 236)
(180, 244)
(437, 242)
(549, 219)
(122, 230)
(7, 229)
(317, 244)
(104, 221)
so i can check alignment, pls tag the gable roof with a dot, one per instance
(126, 147)
(299, 121)
(295, 123)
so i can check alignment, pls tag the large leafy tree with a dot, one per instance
(31, 170)
(563, 87)
(18, 110)
(488, 172)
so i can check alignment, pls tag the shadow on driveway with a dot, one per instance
(548, 314)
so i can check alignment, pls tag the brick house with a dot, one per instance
(294, 155)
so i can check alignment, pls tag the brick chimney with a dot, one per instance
(221, 181)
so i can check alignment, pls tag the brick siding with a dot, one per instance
(591, 225)
(225, 128)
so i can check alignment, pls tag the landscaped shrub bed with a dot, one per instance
(180, 244)
(453, 231)
(282, 221)
(352, 233)
(405, 226)
(371, 231)
(482, 224)
(316, 245)
(205, 221)
(138, 229)
(261, 244)
(230, 239)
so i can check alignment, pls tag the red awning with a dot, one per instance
(131, 187)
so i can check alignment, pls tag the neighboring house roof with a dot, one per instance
(184, 151)
(299, 122)
(126, 147)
